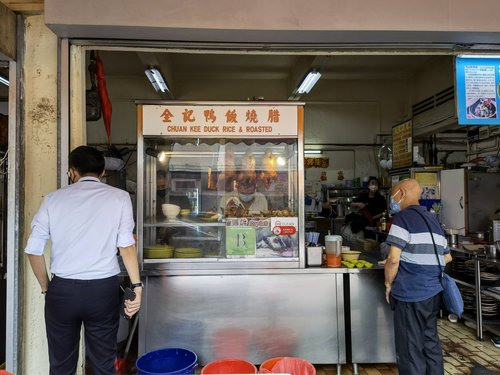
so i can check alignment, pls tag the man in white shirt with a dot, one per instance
(86, 221)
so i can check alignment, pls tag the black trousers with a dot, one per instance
(95, 304)
(418, 350)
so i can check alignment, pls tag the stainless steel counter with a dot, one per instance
(252, 316)
(370, 319)
(257, 314)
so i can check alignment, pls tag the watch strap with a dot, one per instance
(137, 285)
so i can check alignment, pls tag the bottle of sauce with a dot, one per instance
(383, 222)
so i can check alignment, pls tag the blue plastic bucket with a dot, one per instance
(167, 361)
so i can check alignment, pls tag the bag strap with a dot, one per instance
(433, 242)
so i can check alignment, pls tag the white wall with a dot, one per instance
(279, 21)
(435, 76)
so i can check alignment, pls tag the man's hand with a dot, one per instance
(391, 269)
(388, 293)
(132, 306)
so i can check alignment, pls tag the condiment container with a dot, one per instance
(314, 255)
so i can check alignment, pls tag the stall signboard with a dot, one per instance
(257, 120)
(478, 89)
(275, 236)
(402, 150)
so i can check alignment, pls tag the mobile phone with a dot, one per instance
(128, 294)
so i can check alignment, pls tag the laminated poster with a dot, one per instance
(262, 237)
(478, 90)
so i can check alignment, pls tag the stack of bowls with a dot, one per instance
(188, 252)
(170, 210)
(158, 251)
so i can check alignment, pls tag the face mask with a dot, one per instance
(247, 197)
(395, 207)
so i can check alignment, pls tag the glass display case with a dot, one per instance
(223, 195)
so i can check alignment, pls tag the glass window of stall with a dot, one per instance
(219, 199)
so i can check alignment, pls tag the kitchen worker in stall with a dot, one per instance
(165, 195)
(244, 198)
(86, 221)
(412, 281)
(371, 204)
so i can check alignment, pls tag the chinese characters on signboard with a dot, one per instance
(321, 162)
(402, 150)
(219, 120)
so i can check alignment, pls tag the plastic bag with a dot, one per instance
(294, 366)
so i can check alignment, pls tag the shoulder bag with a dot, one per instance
(452, 298)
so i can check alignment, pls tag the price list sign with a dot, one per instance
(402, 150)
(478, 89)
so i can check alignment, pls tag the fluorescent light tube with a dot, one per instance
(308, 82)
(313, 152)
(156, 79)
(4, 81)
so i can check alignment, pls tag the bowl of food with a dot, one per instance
(170, 210)
(351, 255)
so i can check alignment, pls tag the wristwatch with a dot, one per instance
(137, 285)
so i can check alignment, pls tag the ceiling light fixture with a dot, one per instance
(313, 152)
(309, 81)
(156, 79)
(5, 81)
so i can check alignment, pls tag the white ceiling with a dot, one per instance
(181, 66)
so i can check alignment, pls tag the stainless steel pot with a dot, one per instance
(477, 236)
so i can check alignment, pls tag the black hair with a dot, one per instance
(373, 178)
(356, 222)
(161, 173)
(86, 160)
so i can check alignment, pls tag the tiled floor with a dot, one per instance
(461, 352)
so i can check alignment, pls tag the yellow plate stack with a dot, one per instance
(187, 252)
(158, 251)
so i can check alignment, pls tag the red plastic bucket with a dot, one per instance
(268, 364)
(229, 366)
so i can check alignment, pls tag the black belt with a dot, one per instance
(80, 281)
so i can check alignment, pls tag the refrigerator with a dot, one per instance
(468, 199)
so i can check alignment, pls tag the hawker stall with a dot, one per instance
(220, 224)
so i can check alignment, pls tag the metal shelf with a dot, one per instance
(488, 293)
(183, 223)
(464, 283)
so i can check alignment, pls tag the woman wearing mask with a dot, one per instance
(371, 204)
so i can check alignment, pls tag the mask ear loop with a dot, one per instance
(402, 196)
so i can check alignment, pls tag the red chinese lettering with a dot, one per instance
(252, 116)
(274, 115)
(231, 116)
(210, 115)
(167, 115)
(187, 115)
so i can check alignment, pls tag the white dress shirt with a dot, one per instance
(86, 222)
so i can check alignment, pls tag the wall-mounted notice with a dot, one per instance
(478, 90)
(402, 150)
(220, 120)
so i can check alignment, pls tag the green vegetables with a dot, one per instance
(357, 264)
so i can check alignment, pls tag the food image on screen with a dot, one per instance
(482, 108)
